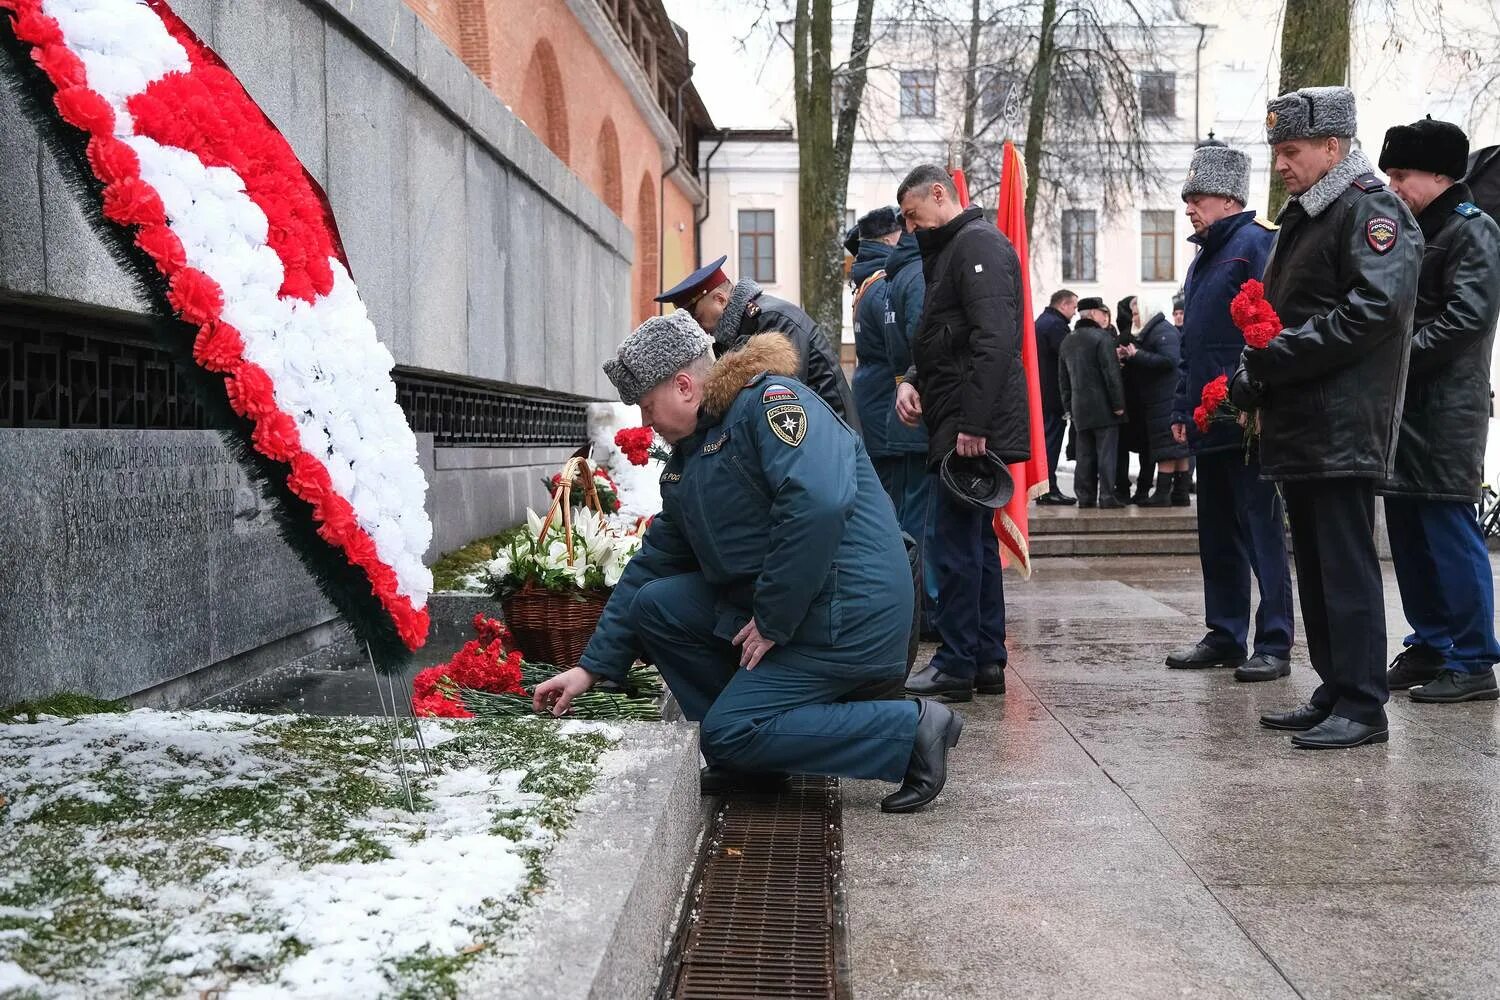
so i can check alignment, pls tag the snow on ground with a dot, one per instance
(168, 853)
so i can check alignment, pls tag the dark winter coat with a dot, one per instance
(1133, 431)
(874, 377)
(1230, 252)
(1051, 331)
(1343, 279)
(1158, 352)
(751, 311)
(786, 521)
(904, 290)
(967, 354)
(1089, 379)
(1445, 423)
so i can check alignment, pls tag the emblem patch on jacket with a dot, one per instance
(1380, 233)
(776, 393)
(788, 422)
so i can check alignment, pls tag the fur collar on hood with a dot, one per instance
(764, 352)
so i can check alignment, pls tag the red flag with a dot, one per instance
(1012, 526)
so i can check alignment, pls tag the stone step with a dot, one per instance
(1133, 519)
(1134, 542)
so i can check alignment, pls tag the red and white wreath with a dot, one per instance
(216, 197)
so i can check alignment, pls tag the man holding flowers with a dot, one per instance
(1239, 514)
(1340, 285)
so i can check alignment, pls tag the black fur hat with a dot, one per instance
(1431, 145)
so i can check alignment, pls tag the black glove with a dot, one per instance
(1244, 391)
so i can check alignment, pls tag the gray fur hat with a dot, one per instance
(1218, 170)
(1311, 113)
(658, 349)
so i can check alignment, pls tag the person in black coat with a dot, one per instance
(967, 385)
(1152, 359)
(1051, 330)
(1328, 389)
(1442, 564)
(733, 312)
(1133, 433)
(1093, 389)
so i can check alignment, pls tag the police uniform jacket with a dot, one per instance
(1444, 425)
(967, 352)
(1344, 282)
(904, 289)
(874, 374)
(774, 500)
(818, 365)
(1230, 252)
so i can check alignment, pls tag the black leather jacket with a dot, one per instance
(1445, 424)
(821, 370)
(1329, 387)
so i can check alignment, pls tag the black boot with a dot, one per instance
(938, 728)
(1413, 667)
(990, 679)
(1162, 496)
(1180, 483)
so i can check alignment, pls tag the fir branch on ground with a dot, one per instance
(64, 705)
(461, 569)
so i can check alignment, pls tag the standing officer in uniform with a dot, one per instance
(773, 583)
(1343, 279)
(968, 386)
(1240, 520)
(1442, 564)
(733, 312)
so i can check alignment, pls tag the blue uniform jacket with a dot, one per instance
(905, 288)
(774, 500)
(1230, 252)
(874, 377)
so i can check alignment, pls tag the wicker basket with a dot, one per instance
(555, 626)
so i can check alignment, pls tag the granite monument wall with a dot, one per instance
(136, 558)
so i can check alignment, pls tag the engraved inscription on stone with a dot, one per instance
(141, 492)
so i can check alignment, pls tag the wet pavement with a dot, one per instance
(1114, 829)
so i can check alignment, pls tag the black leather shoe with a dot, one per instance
(1458, 685)
(990, 679)
(1413, 666)
(1088, 504)
(938, 728)
(1110, 503)
(1339, 733)
(1263, 667)
(1055, 498)
(717, 780)
(931, 682)
(1297, 720)
(1201, 657)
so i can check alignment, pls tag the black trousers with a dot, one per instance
(1054, 426)
(1343, 601)
(1093, 477)
(1122, 469)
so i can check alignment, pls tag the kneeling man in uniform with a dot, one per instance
(773, 585)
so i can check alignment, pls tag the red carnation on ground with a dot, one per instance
(85, 109)
(1255, 317)
(198, 299)
(133, 202)
(61, 65)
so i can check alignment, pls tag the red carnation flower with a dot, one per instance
(196, 297)
(1200, 417)
(61, 65)
(309, 479)
(85, 109)
(133, 202)
(250, 392)
(111, 160)
(275, 436)
(1215, 393)
(37, 28)
(163, 247)
(218, 347)
(426, 681)
(359, 547)
(1260, 334)
(635, 442)
(1255, 317)
(412, 626)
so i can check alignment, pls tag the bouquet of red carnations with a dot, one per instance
(640, 445)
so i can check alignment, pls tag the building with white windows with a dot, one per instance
(1205, 65)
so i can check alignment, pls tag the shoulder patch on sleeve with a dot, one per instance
(1468, 209)
(1368, 182)
(1265, 223)
(788, 422)
(777, 393)
(1380, 233)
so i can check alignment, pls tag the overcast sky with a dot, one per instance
(727, 72)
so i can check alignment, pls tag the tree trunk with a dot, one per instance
(1314, 53)
(823, 167)
(971, 91)
(1036, 118)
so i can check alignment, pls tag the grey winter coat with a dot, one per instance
(1089, 378)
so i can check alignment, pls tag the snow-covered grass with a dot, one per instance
(154, 854)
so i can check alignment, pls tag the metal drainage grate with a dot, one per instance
(763, 918)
